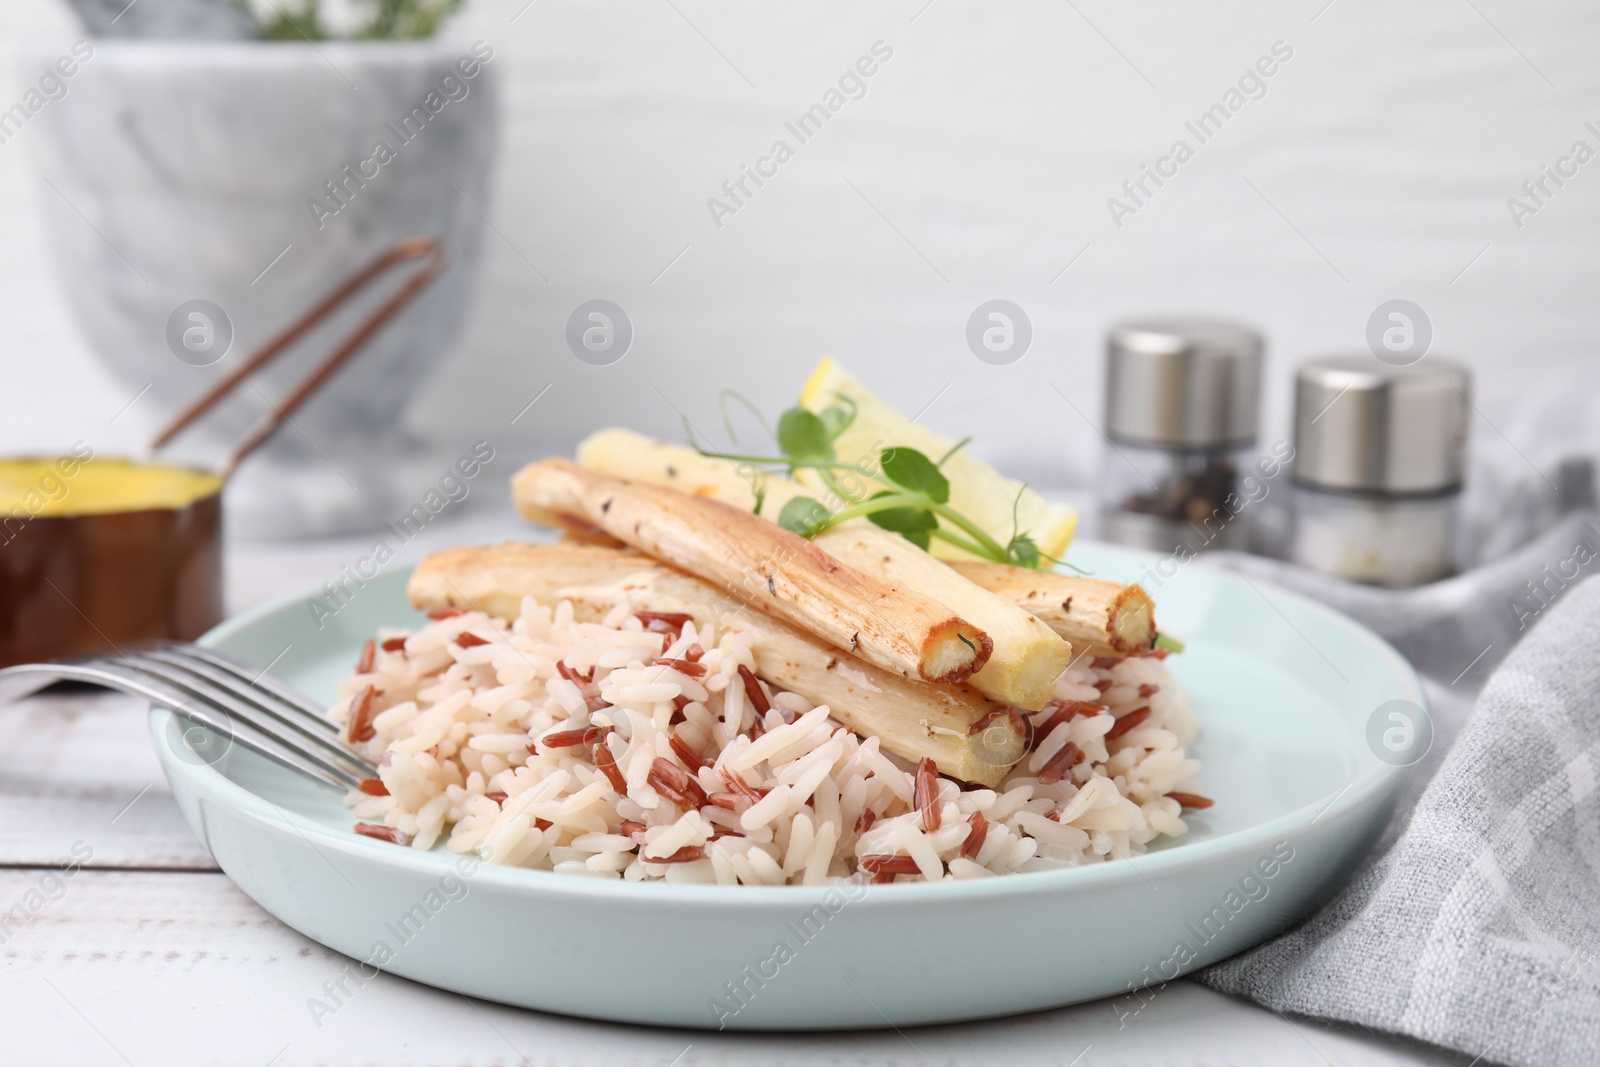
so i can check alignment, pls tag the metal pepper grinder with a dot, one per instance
(1181, 415)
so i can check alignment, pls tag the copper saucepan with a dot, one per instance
(100, 552)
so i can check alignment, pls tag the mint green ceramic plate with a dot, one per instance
(1285, 690)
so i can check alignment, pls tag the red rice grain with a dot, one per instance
(670, 780)
(690, 757)
(579, 680)
(629, 828)
(694, 653)
(394, 644)
(740, 786)
(1066, 711)
(607, 763)
(891, 865)
(497, 796)
(368, 652)
(440, 614)
(975, 836)
(568, 738)
(660, 622)
(752, 689)
(470, 640)
(1128, 722)
(865, 820)
(373, 787)
(687, 667)
(686, 854)
(1191, 800)
(360, 726)
(379, 832)
(925, 794)
(1060, 765)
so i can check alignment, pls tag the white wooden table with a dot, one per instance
(148, 955)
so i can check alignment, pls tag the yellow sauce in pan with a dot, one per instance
(89, 485)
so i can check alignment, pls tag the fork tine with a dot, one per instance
(190, 709)
(291, 717)
(352, 769)
(256, 678)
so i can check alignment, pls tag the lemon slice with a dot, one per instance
(977, 490)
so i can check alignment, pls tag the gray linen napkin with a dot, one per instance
(1475, 924)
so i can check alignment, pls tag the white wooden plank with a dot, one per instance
(77, 766)
(173, 969)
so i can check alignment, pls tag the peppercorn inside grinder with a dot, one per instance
(1181, 417)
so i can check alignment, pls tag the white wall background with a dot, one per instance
(977, 166)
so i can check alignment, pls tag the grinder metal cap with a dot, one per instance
(1182, 382)
(1361, 425)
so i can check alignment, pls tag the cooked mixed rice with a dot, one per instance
(632, 747)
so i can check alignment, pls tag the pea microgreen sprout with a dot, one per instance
(917, 499)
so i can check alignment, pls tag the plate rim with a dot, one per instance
(1367, 787)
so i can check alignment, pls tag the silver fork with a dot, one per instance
(205, 688)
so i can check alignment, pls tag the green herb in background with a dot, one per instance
(390, 20)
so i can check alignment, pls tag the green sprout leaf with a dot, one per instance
(1168, 642)
(914, 524)
(835, 421)
(803, 436)
(1023, 551)
(804, 516)
(910, 469)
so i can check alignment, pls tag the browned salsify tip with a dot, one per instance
(881, 864)
(975, 836)
(690, 757)
(394, 644)
(694, 653)
(379, 832)
(661, 622)
(1191, 800)
(577, 679)
(1060, 765)
(1128, 722)
(568, 738)
(752, 689)
(360, 727)
(925, 794)
(629, 827)
(607, 763)
(373, 787)
(497, 796)
(369, 652)
(686, 667)
(440, 614)
(865, 820)
(470, 640)
(686, 854)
